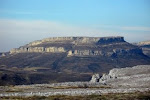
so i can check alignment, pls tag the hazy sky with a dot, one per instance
(22, 21)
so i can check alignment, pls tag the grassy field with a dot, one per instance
(121, 96)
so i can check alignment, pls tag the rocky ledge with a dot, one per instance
(37, 49)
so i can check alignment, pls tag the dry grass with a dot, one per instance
(34, 68)
(118, 96)
(79, 87)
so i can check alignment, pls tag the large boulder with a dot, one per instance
(95, 78)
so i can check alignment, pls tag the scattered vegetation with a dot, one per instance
(118, 96)
(78, 87)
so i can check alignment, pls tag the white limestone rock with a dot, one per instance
(95, 78)
(137, 76)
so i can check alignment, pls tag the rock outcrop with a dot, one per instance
(4, 54)
(137, 76)
(114, 52)
(95, 78)
(119, 72)
(38, 49)
(84, 53)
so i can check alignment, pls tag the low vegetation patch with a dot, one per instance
(117, 96)
(78, 87)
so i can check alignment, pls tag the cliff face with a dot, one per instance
(80, 46)
(37, 49)
(73, 41)
(61, 59)
(103, 53)
(145, 45)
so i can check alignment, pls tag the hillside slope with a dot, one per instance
(62, 59)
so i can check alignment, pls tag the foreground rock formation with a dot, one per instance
(61, 59)
(137, 76)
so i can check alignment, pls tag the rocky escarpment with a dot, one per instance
(103, 53)
(79, 46)
(37, 49)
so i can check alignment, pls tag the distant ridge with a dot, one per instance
(34, 46)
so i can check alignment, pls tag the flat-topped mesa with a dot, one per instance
(79, 40)
(38, 46)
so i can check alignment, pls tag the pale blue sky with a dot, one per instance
(22, 21)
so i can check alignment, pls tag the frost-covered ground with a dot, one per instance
(124, 80)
